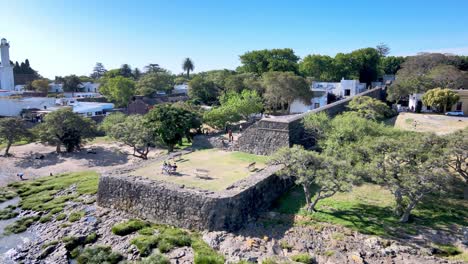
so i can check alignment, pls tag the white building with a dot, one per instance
(86, 87)
(14, 106)
(180, 89)
(7, 81)
(342, 89)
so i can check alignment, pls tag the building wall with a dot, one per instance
(192, 208)
(13, 107)
(269, 134)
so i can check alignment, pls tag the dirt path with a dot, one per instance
(35, 160)
(439, 124)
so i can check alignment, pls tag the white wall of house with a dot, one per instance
(299, 106)
(13, 107)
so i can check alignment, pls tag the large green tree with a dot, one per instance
(98, 71)
(63, 127)
(188, 66)
(318, 67)
(118, 90)
(314, 172)
(411, 167)
(234, 107)
(441, 99)
(12, 130)
(133, 132)
(41, 85)
(261, 61)
(170, 124)
(369, 108)
(457, 156)
(154, 82)
(391, 64)
(203, 90)
(111, 120)
(71, 83)
(282, 88)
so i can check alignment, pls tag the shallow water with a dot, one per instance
(8, 243)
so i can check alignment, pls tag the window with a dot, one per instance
(459, 106)
(316, 105)
(98, 113)
(347, 92)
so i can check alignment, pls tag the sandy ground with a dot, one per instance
(109, 156)
(439, 124)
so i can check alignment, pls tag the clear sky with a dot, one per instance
(69, 37)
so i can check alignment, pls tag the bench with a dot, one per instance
(251, 166)
(201, 173)
(178, 156)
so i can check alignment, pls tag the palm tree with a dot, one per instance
(188, 66)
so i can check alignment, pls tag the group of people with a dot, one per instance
(168, 168)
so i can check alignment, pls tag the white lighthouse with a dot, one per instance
(7, 81)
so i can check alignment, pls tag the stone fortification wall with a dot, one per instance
(269, 134)
(192, 208)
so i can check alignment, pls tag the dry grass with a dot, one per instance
(439, 124)
(224, 168)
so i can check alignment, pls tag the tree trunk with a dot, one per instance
(314, 203)
(399, 202)
(57, 148)
(307, 196)
(170, 148)
(406, 214)
(7, 149)
(188, 74)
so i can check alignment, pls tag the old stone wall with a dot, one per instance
(269, 134)
(192, 208)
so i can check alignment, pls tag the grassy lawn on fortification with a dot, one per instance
(224, 168)
(368, 209)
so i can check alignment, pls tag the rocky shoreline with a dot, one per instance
(254, 243)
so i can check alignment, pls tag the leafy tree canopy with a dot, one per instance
(369, 108)
(441, 99)
(118, 90)
(261, 61)
(12, 130)
(202, 90)
(63, 127)
(153, 82)
(41, 85)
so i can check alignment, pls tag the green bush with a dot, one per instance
(45, 218)
(269, 261)
(6, 194)
(21, 225)
(204, 254)
(98, 255)
(91, 238)
(147, 231)
(303, 258)
(155, 259)
(447, 250)
(60, 217)
(71, 242)
(125, 228)
(7, 213)
(145, 244)
(75, 216)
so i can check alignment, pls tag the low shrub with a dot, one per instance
(45, 218)
(145, 244)
(60, 217)
(21, 225)
(446, 250)
(303, 258)
(75, 216)
(155, 258)
(204, 254)
(71, 242)
(91, 238)
(128, 227)
(98, 255)
(8, 213)
(6, 194)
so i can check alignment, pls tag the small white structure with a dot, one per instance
(180, 89)
(7, 81)
(342, 89)
(86, 87)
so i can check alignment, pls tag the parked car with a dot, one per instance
(455, 113)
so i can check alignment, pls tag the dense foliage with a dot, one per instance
(12, 130)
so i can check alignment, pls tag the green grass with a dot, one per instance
(224, 168)
(8, 213)
(60, 217)
(75, 216)
(155, 258)
(6, 194)
(20, 225)
(98, 255)
(369, 210)
(128, 227)
(102, 140)
(17, 143)
(167, 239)
(38, 195)
(447, 250)
(185, 144)
(303, 258)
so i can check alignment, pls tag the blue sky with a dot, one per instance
(69, 37)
